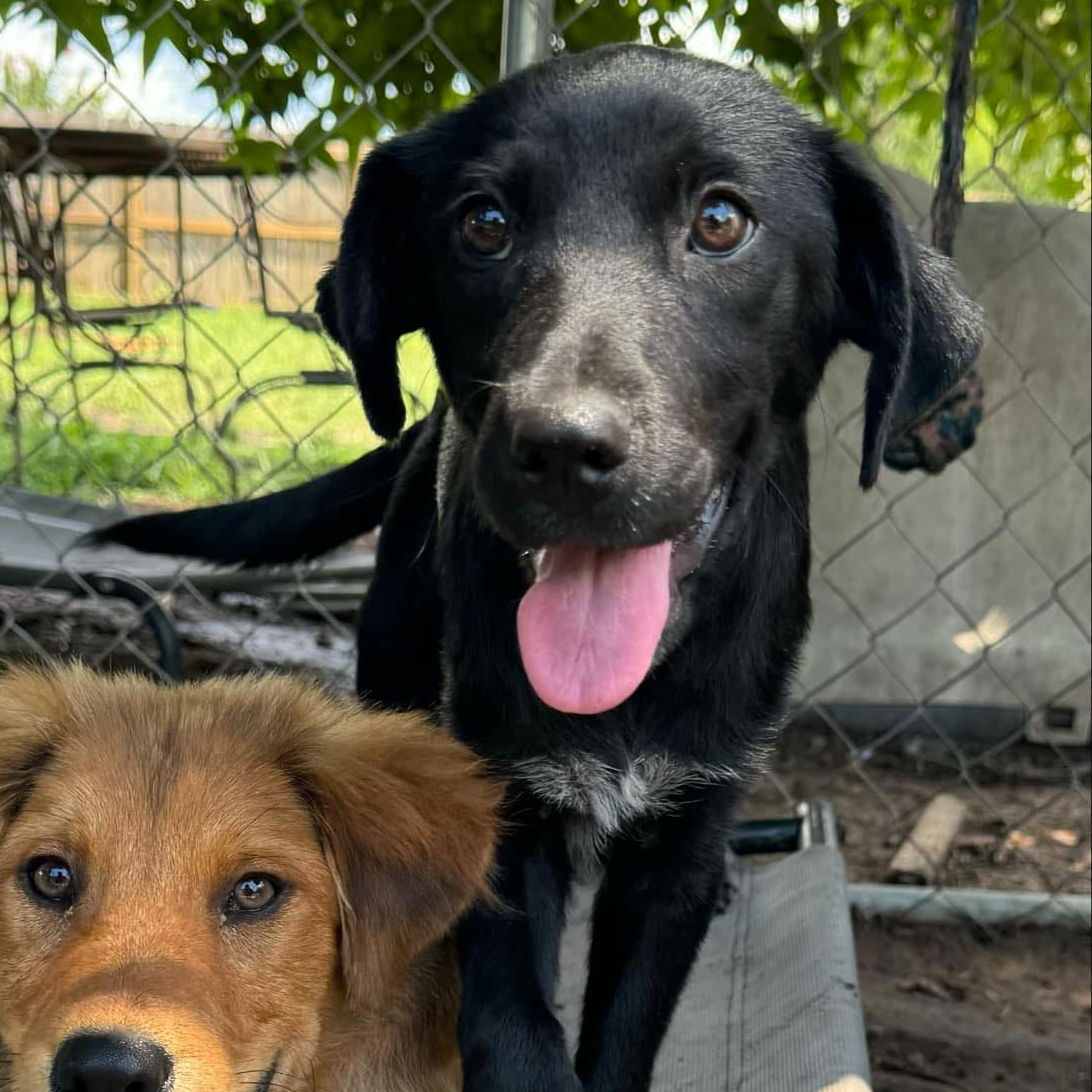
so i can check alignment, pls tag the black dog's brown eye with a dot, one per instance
(720, 225)
(252, 893)
(51, 879)
(485, 230)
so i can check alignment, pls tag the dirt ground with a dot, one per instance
(1028, 825)
(947, 1009)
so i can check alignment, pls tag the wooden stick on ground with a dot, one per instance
(923, 853)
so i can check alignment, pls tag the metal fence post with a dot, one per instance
(525, 33)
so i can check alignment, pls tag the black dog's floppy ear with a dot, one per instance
(326, 302)
(368, 298)
(901, 302)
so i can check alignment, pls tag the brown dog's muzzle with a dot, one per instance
(138, 1027)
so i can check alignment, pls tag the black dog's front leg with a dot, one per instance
(658, 895)
(510, 1039)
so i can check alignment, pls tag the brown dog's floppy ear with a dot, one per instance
(901, 302)
(408, 823)
(31, 712)
(368, 298)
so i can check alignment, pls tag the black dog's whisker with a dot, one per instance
(799, 518)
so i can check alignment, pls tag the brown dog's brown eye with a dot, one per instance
(253, 893)
(485, 230)
(51, 879)
(720, 225)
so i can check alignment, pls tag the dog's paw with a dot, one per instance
(725, 893)
(519, 1068)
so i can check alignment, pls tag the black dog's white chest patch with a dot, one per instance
(599, 800)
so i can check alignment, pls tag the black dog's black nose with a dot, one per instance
(109, 1063)
(570, 446)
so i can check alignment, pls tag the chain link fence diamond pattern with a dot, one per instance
(159, 348)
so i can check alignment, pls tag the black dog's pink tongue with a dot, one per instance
(589, 627)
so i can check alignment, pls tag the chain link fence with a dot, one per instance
(159, 349)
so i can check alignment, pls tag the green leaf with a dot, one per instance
(864, 67)
(92, 29)
(257, 156)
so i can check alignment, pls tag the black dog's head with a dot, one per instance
(632, 265)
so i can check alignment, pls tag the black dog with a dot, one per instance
(632, 265)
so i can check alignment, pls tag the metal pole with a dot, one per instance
(954, 904)
(526, 32)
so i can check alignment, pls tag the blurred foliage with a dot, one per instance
(876, 69)
(33, 87)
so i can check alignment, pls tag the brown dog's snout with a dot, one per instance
(567, 448)
(98, 1062)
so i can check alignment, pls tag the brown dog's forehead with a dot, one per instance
(166, 780)
(90, 782)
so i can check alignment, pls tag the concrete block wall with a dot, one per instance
(971, 587)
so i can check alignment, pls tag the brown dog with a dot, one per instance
(234, 885)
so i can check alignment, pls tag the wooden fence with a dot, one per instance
(144, 240)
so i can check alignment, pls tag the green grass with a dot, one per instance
(145, 434)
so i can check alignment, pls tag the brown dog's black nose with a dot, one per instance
(109, 1063)
(570, 447)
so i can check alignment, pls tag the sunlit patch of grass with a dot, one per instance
(235, 420)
